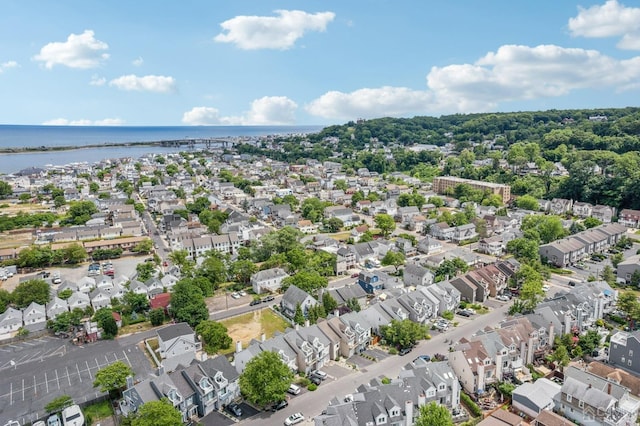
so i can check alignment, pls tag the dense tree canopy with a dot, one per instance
(157, 413)
(265, 379)
(214, 336)
(31, 291)
(187, 303)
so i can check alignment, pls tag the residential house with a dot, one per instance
(312, 347)
(223, 377)
(342, 295)
(531, 399)
(345, 260)
(376, 316)
(429, 245)
(622, 377)
(591, 400)
(491, 245)
(627, 268)
(78, 300)
(370, 281)
(295, 297)
(307, 227)
(603, 213)
(442, 231)
(56, 306)
(624, 349)
(10, 321)
(472, 364)
(177, 345)
(502, 418)
(268, 280)
(448, 296)
(100, 299)
(560, 206)
(464, 233)
(362, 330)
(581, 209)
(415, 275)
(629, 218)
(34, 317)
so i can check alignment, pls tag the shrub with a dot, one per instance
(312, 387)
(386, 380)
(304, 382)
(471, 405)
(393, 351)
(448, 315)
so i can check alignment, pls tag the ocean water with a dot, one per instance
(13, 136)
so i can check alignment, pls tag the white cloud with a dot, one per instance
(84, 122)
(147, 83)
(81, 51)
(96, 80)
(370, 103)
(8, 65)
(611, 19)
(138, 61)
(268, 110)
(269, 32)
(511, 73)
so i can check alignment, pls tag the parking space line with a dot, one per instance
(90, 376)
(78, 368)
(97, 363)
(107, 360)
(127, 358)
(46, 381)
(35, 389)
(11, 394)
(23, 389)
(68, 376)
(57, 379)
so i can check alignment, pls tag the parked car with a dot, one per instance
(294, 419)
(235, 295)
(279, 405)
(53, 420)
(464, 313)
(405, 350)
(255, 302)
(315, 380)
(319, 374)
(242, 293)
(355, 275)
(572, 283)
(424, 358)
(268, 299)
(545, 288)
(502, 298)
(234, 409)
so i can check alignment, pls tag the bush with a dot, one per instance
(448, 315)
(470, 404)
(385, 380)
(312, 387)
(393, 351)
(304, 382)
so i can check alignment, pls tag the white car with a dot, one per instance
(294, 419)
(502, 298)
(72, 416)
(242, 293)
(545, 288)
(235, 295)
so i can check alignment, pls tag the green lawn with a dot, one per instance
(98, 411)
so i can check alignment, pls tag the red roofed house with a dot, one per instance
(161, 300)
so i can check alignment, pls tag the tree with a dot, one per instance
(241, 271)
(354, 305)
(334, 224)
(65, 320)
(136, 302)
(5, 190)
(214, 335)
(265, 379)
(393, 258)
(524, 249)
(58, 404)
(113, 377)
(309, 281)
(591, 222)
(434, 414)
(110, 328)
(80, 212)
(298, 316)
(156, 316)
(145, 270)
(143, 246)
(5, 300)
(187, 303)
(530, 282)
(31, 291)
(386, 223)
(527, 202)
(616, 259)
(608, 275)
(157, 413)
(403, 333)
(561, 355)
(213, 268)
(328, 302)
(549, 228)
(180, 258)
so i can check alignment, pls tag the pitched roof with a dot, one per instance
(175, 330)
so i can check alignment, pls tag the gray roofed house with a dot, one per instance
(312, 347)
(343, 294)
(268, 280)
(56, 306)
(177, 345)
(375, 316)
(34, 317)
(10, 321)
(225, 378)
(293, 297)
(624, 349)
(78, 300)
(533, 398)
(415, 274)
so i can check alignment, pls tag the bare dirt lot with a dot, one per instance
(252, 325)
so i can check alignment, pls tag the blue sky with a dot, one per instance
(264, 62)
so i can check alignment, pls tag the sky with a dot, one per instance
(312, 62)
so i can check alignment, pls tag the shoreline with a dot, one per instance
(44, 148)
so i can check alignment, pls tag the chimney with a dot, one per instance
(567, 323)
(296, 327)
(608, 388)
(129, 382)
(422, 400)
(306, 323)
(238, 346)
(551, 334)
(263, 337)
(336, 313)
(204, 356)
(408, 412)
(160, 370)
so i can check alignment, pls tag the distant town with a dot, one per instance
(477, 270)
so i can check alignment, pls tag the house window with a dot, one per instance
(568, 398)
(629, 362)
(630, 353)
(580, 403)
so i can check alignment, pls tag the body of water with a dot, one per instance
(83, 136)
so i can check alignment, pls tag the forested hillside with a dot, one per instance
(598, 148)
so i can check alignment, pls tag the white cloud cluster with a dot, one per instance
(81, 51)
(138, 61)
(511, 73)
(7, 65)
(269, 32)
(147, 83)
(96, 80)
(84, 122)
(268, 110)
(611, 19)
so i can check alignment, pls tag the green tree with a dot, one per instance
(265, 379)
(549, 228)
(110, 328)
(65, 294)
(403, 333)
(241, 271)
(616, 259)
(385, 223)
(214, 269)
(65, 320)
(5, 190)
(157, 413)
(80, 212)
(113, 377)
(136, 302)
(156, 316)
(187, 303)
(527, 202)
(334, 224)
(328, 302)
(180, 258)
(591, 222)
(530, 282)
(214, 335)
(58, 404)
(433, 414)
(393, 258)
(354, 305)
(524, 249)
(608, 275)
(94, 187)
(145, 270)
(144, 246)
(309, 281)
(31, 291)
(298, 316)
(561, 355)
(5, 300)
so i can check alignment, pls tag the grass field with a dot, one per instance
(252, 325)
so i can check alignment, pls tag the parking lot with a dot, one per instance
(32, 373)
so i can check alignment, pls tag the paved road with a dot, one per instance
(312, 403)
